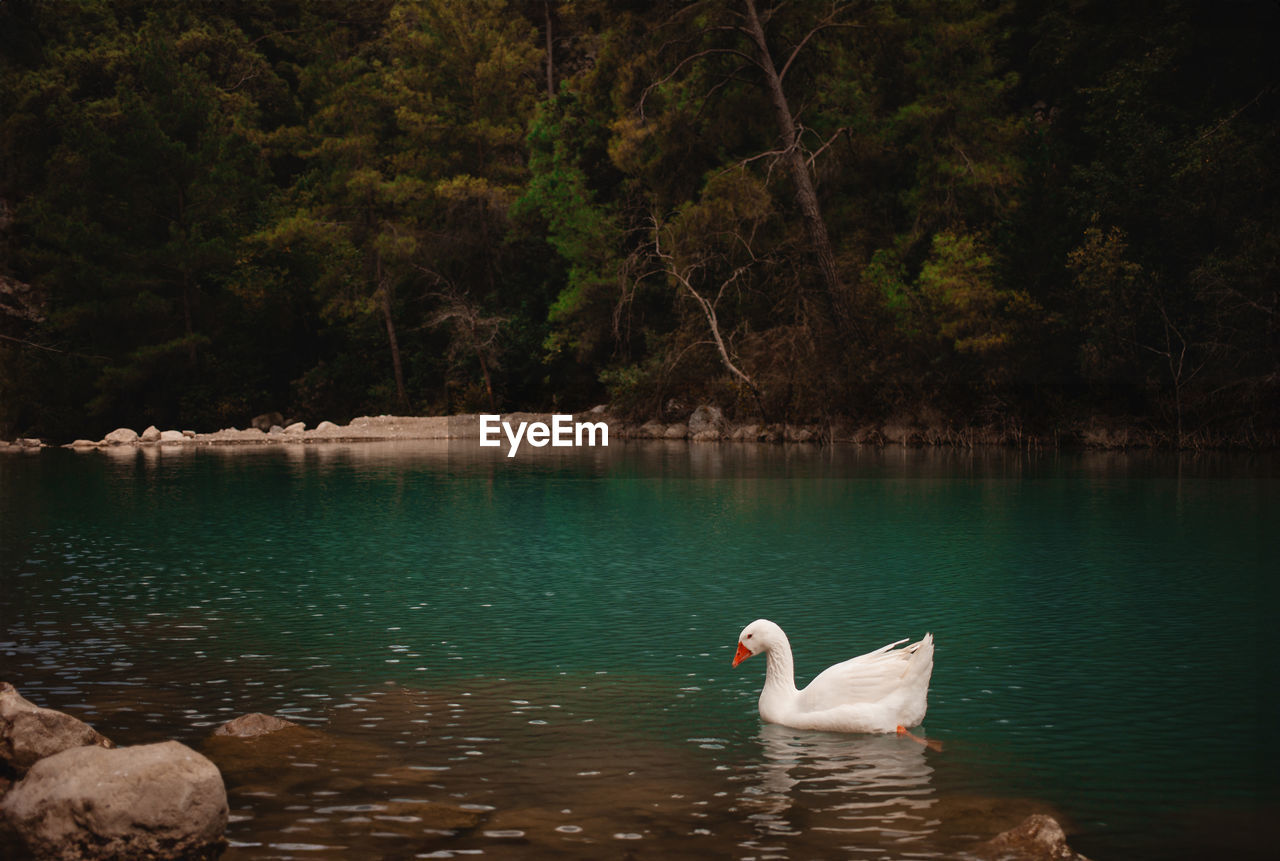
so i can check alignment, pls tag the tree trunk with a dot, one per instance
(488, 382)
(384, 295)
(188, 327)
(806, 196)
(551, 78)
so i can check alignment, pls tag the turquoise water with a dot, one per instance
(1106, 638)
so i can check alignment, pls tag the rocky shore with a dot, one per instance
(66, 792)
(701, 425)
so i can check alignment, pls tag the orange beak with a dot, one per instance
(742, 654)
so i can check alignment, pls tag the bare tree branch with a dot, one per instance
(708, 307)
(824, 24)
(46, 348)
(820, 150)
(686, 61)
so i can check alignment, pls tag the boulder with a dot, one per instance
(121, 436)
(172, 436)
(253, 725)
(1038, 838)
(82, 443)
(149, 801)
(651, 430)
(326, 426)
(704, 418)
(151, 434)
(29, 733)
(676, 431)
(296, 427)
(29, 442)
(705, 435)
(266, 420)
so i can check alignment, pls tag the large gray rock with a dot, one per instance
(29, 733)
(150, 801)
(706, 418)
(151, 434)
(1038, 838)
(121, 436)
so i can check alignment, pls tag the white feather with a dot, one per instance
(875, 692)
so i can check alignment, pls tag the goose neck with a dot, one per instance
(780, 670)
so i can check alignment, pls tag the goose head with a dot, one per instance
(760, 636)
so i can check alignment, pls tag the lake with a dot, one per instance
(530, 657)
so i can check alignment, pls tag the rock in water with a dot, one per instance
(150, 801)
(29, 733)
(121, 436)
(1038, 838)
(253, 725)
(151, 434)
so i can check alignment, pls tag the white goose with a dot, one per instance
(882, 691)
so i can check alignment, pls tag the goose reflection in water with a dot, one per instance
(876, 788)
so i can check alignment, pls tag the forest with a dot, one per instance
(1021, 213)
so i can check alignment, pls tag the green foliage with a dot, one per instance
(1033, 208)
(584, 234)
(970, 310)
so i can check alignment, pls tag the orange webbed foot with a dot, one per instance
(929, 743)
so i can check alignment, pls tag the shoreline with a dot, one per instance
(410, 804)
(703, 425)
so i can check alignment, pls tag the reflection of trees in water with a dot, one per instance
(875, 788)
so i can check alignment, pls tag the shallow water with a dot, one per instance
(530, 657)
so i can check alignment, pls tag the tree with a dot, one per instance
(749, 43)
(406, 125)
(130, 223)
(1157, 127)
(708, 251)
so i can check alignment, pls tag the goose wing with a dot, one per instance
(873, 677)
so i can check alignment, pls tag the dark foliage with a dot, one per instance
(986, 211)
